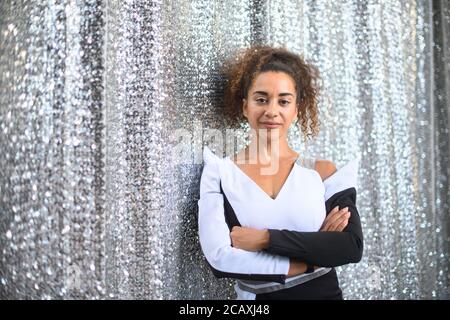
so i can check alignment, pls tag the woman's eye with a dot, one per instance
(283, 102)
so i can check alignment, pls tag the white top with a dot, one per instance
(299, 206)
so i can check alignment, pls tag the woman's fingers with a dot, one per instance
(342, 219)
(342, 226)
(334, 219)
(332, 213)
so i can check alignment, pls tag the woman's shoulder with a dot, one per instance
(213, 165)
(209, 157)
(325, 168)
(338, 178)
(211, 173)
(335, 178)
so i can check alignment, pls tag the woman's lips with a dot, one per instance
(270, 125)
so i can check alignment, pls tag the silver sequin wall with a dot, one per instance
(93, 205)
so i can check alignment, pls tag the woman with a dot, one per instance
(272, 232)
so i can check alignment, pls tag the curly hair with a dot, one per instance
(241, 69)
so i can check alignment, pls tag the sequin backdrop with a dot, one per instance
(93, 205)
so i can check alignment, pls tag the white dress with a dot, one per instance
(299, 205)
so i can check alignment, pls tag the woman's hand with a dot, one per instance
(296, 268)
(249, 239)
(337, 220)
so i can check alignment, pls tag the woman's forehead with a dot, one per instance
(273, 82)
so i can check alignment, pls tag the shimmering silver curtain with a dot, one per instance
(93, 205)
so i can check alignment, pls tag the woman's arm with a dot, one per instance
(327, 249)
(331, 248)
(296, 268)
(214, 235)
(251, 239)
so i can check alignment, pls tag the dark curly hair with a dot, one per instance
(241, 69)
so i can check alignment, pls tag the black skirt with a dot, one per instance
(325, 287)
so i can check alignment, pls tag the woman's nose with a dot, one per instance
(272, 109)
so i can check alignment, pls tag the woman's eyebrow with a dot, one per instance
(266, 94)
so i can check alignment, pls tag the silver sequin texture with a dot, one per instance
(93, 206)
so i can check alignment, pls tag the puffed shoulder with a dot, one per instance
(210, 179)
(209, 156)
(344, 178)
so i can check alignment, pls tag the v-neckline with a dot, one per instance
(291, 172)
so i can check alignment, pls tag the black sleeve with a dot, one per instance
(280, 278)
(328, 248)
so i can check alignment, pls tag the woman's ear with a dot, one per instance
(244, 107)
(297, 109)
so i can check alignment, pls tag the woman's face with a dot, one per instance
(271, 102)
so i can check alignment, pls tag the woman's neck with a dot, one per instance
(268, 151)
